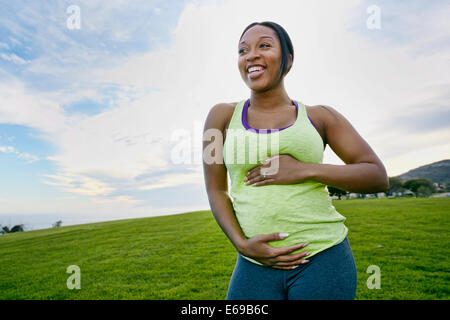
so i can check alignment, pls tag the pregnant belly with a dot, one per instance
(266, 211)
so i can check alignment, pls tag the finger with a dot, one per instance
(270, 159)
(285, 268)
(265, 170)
(273, 237)
(287, 250)
(263, 182)
(257, 178)
(291, 264)
(292, 257)
(252, 173)
(256, 170)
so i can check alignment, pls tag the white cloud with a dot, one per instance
(13, 58)
(20, 106)
(79, 184)
(118, 199)
(173, 180)
(27, 156)
(30, 158)
(6, 149)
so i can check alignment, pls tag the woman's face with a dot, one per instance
(259, 47)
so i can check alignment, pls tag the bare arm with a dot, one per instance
(215, 175)
(363, 172)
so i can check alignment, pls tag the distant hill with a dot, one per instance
(436, 172)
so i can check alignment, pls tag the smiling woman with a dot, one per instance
(267, 42)
(280, 205)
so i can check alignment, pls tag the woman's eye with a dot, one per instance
(262, 44)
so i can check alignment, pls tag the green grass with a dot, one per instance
(187, 256)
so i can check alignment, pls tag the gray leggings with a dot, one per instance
(329, 275)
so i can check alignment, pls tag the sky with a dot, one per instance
(96, 96)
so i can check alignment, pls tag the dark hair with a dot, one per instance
(285, 41)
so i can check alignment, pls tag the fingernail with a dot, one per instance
(305, 261)
(294, 267)
(308, 253)
(284, 235)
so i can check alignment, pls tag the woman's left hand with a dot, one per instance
(279, 169)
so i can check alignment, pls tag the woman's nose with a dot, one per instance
(252, 54)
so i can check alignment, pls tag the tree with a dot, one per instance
(17, 228)
(57, 224)
(395, 185)
(336, 191)
(415, 184)
(424, 191)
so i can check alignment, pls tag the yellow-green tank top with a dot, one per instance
(304, 210)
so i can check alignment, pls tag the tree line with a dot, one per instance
(20, 228)
(421, 187)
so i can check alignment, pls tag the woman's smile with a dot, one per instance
(256, 73)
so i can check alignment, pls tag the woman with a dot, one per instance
(291, 241)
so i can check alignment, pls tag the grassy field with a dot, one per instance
(187, 256)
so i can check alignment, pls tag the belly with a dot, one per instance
(303, 208)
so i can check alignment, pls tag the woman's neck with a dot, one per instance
(269, 100)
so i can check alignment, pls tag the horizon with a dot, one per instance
(45, 221)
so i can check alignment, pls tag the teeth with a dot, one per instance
(251, 69)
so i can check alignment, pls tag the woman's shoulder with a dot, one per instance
(222, 113)
(324, 113)
(315, 113)
(323, 117)
(224, 107)
(224, 110)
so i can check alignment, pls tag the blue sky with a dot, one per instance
(87, 116)
(20, 174)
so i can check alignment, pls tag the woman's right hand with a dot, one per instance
(258, 249)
